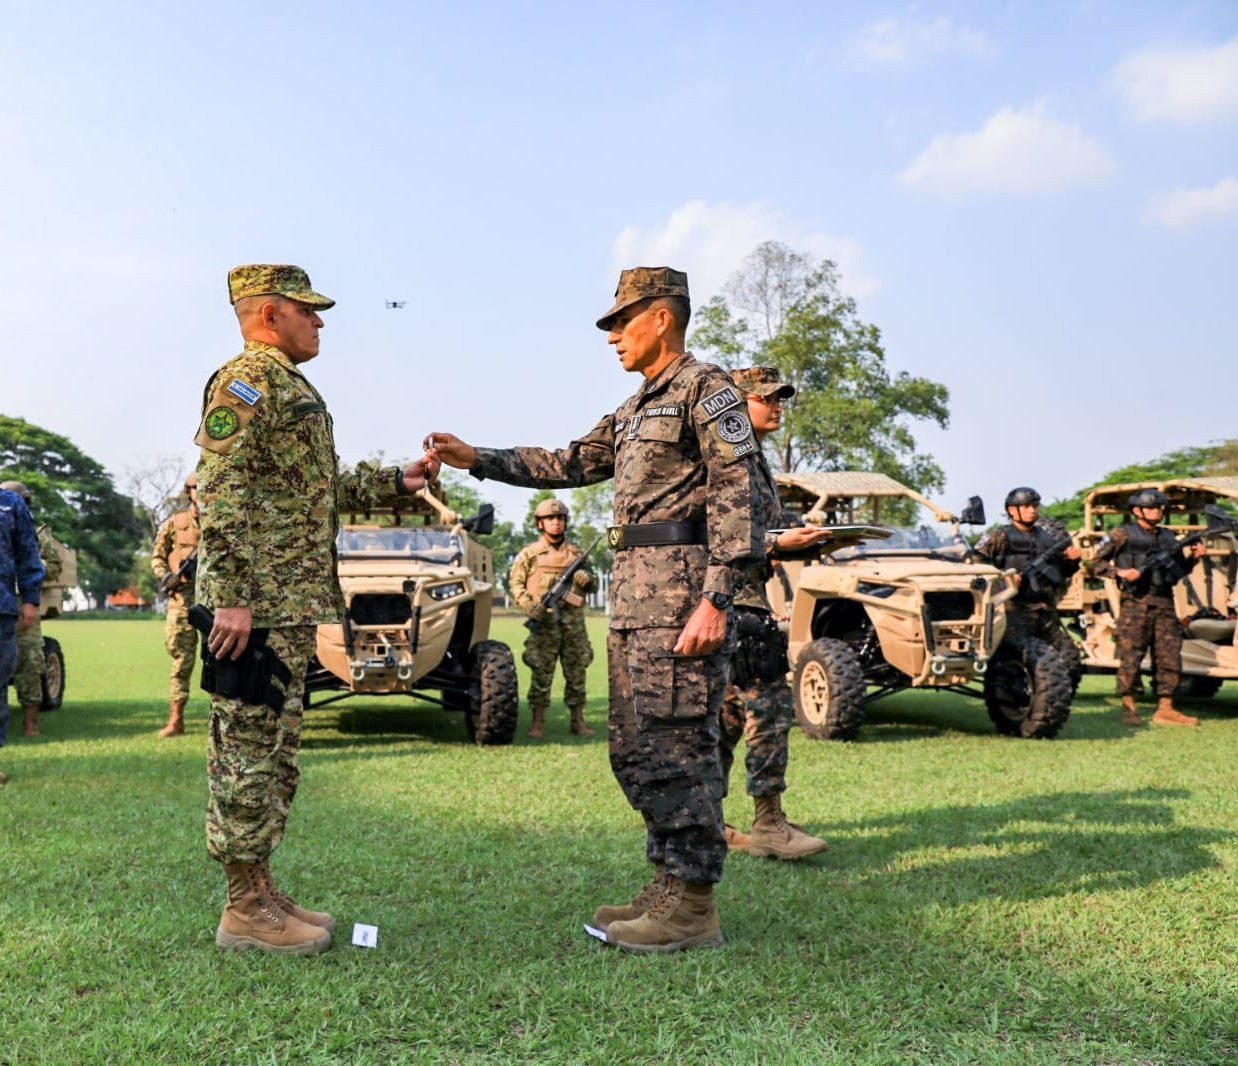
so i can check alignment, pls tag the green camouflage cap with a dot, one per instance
(644, 283)
(274, 279)
(763, 381)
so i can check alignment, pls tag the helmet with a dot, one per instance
(17, 487)
(1022, 497)
(549, 508)
(1148, 498)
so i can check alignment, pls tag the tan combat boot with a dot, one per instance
(176, 719)
(1166, 714)
(735, 840)
(773, 835)
(578, 725)
(30, 716)
(3, 777)
(538, 728)
(286, 903)
(252, 919)
(641, 902)
(684, 917)
(1130, 714)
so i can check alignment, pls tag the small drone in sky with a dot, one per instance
(396, 304)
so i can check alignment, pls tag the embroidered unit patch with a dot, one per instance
(734, 427)
(221, 422)
(248, 393)
(720, 401)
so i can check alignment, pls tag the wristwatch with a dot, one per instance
(721, 600)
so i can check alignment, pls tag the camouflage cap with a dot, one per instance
(274, 279)
(763, 381)
(644, 283)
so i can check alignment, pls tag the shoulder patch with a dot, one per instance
(716, 402)
(220, 423)
(245, 392)
(227, 411)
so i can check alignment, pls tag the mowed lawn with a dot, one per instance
(984, 900)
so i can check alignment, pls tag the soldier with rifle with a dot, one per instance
(174, 561)
(1147, 561)
(1043, 557)
(550, 579)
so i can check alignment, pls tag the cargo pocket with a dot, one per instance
(667, 689)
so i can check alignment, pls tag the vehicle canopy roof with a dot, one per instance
(1186, 496)
(427, 506)
(837, 495)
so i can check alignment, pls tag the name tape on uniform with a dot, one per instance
(245, 392)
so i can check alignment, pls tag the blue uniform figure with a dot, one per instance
(21, 578)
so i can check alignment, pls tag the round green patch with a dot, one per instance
(221, 422)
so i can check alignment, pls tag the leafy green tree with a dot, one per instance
(593, 509)
(783, 309)
(76, 497)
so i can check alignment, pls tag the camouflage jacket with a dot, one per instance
(1007, 547)
(21, 571)
(270, 490)
(49, 552)
(1116, 552)
(538, 567)
(752, 592)
(175, 541)
(680, 450)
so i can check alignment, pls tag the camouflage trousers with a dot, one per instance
(181, 641)
(761, 714)
(251, 760)
(8, 663)
(664, 747)
(564, 641)
(1148, 622)
(31, 666)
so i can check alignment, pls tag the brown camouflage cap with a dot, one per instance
(274, 279)
(763, 381)
(644, 283)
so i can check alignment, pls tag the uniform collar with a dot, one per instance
(667, 374)
(278, 354)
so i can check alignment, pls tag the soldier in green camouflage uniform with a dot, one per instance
(688, 528)
(269, 492)
(31, 664)
(554, 637)
(758, 705)
(176, 546)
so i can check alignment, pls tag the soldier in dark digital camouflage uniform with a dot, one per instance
(688, 528)
(758, 704)
(176, 541)
(1146, 616)
(555, 639)
(1032, 614)
(269, 492)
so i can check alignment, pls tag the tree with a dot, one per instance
(593, 510)
(157, 488)
(75, 496)
(784, 310)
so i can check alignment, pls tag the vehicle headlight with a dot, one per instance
(447, 591)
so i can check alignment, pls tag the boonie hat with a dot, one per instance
(763, 381)
(644, 283)
(274, 279)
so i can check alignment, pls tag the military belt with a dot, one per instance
(655, 534)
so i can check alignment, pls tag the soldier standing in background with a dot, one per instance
(553, 639)
(688, 528)
(21, 581)
(174, 562)
(1146, 615)
(758, 704)
(31, 664)
(269, 490)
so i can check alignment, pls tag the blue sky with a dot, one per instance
(1037, 203)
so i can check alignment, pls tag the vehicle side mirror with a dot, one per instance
(973, 513)
(482, 522)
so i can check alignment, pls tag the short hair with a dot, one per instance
(248, 306)
(680, 308)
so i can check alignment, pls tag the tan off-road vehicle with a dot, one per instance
(1205, 599)
(50, 600)
(418, 594)
(903, 608)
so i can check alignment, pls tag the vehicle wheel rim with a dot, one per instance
(815, 693)
(53, 677)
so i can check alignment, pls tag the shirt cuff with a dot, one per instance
(724, 579)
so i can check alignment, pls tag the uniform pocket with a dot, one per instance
(666, 688)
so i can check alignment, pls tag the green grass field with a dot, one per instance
(984, 900)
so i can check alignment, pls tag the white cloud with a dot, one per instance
(1185, 85)
(711, 241)
(1182, 207)
(904, 42)
(1017, 153)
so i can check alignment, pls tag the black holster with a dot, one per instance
(761, 652)
(251, 678)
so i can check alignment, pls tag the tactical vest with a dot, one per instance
(1022, 548)
(1140, 543)
(548, 564)
(185, 537)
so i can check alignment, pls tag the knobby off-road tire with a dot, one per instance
(829, 690)
(494, 698)
(1064, 644)
(1027, 690)
(53, 676)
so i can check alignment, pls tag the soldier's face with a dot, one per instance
(765, 413)
(1024, 514)
(296, 325)
(636, 334)
(555, 527)
(1149, 516)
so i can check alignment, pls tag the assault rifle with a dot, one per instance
(187, 571)
(553, 599)
(1043, 575)
(1165, 567)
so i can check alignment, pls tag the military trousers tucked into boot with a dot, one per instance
(253, 919)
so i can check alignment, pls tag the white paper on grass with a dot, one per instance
(365, 936)
(600, 934)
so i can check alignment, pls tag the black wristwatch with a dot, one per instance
(721, 600)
